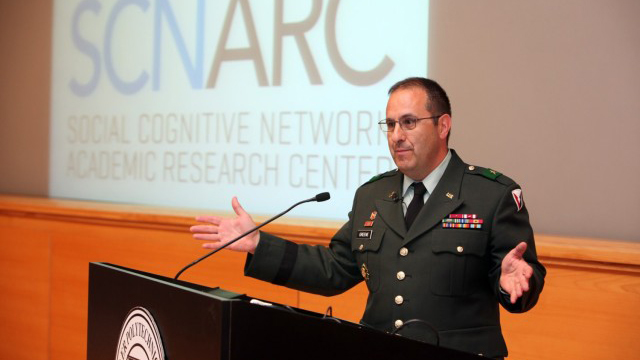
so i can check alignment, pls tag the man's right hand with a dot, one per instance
(222, 230)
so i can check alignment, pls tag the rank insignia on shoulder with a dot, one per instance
(491, 174)
(486, 172)
(517, 197)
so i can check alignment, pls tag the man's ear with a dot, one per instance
(444, 126)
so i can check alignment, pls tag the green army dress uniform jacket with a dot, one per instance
(446, 277)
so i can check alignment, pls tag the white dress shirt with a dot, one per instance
(429, 182)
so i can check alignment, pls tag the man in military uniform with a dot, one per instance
(439, 243)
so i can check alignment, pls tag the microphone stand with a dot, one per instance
(320, 197)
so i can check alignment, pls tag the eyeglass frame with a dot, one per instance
(386, 122)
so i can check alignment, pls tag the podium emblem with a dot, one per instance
(140, 337)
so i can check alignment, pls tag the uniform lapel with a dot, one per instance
(390, 208)
(444, 200)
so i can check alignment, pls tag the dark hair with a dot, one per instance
(437, 99)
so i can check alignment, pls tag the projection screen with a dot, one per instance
(187, 103)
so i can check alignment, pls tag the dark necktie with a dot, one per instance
(416, 203)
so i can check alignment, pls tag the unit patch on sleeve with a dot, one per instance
(517, 197)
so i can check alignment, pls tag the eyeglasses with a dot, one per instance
(406, 123)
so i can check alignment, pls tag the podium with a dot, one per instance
(134, 315)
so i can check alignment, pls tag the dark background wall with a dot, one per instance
(25, 73)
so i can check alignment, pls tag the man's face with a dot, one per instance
(418, 151)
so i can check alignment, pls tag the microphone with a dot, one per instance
(319, 198)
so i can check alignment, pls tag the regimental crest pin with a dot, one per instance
(517, 197)
(373, 215)
(364, 271)
(449, 195)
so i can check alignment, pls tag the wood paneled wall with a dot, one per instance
(589, 309)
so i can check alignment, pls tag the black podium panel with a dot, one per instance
(192, 323)
(197, 322)
(280, 333)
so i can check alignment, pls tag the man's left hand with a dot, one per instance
(516, 273)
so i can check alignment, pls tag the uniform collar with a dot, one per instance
(444, 200)
(432, 180)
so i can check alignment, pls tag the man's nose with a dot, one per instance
(397, 134)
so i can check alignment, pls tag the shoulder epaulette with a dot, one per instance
(380, 176)
(489, 174)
